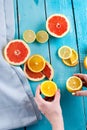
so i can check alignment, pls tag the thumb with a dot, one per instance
(81, 93)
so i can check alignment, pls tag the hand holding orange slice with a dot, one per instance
(36, 63)
(48, 88)
(73, 84)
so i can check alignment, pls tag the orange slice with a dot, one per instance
(73, 61)
(73, 84)
(48, 88)
(65, 52)
(36, 63)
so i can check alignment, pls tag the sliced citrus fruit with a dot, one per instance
(16, 52)
(74, 57)
(42, 36)
(57, 25)
(65, 52)
(73, 84)
(68, 63)
(85, 62)
(29, 36)
(48, 71)
(36, 63)
(48, 88)
(32, 75)
(73, 61)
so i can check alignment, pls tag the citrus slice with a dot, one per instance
(57, 25)
(36, 63)
(16, 52)
(68, 63)
(29, 36)
(74, 57)
(73, 84)
(42, 36)
(32, 75)
(48, 71)
(73, 61)
(85, 62)
(65, 52)
(48, 88)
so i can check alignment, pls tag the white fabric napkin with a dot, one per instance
(17, 105)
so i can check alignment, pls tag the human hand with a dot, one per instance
(83, 77)
(51, 110)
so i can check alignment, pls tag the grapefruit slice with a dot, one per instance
(16, 52)
(48, 71)
(32, 75)
(29, 36)
(57, 25)
(36, 63)
(73, 84)
(48, 88)
(42, 36)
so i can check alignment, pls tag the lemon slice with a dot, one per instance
(36, 63)
(65, 52)
(74, 57)
(48, 88)
(73, 84)
(29, 36)
(73, 61)
(42, 36)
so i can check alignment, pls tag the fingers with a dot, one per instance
(81, 93)
(37, 95)
(81, 76)
(57, 96)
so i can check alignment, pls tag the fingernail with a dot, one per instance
(73, 93)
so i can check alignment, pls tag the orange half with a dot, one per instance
(48, 88)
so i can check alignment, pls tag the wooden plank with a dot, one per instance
(72, 106)
(32, 16)
(80, 11)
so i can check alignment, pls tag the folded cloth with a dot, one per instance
(17, 105)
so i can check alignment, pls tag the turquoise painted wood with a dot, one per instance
(32, 14)
(81, 28)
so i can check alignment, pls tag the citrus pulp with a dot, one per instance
(57, 25)
(73, 84)
(48, 88)
(65, 52)
(29, 36)
(42, 36)
(16, 52)
(36, 63)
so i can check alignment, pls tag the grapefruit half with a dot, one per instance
(16, 52)
(57, 25)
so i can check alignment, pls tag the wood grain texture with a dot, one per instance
(32, 15)
(80, 10)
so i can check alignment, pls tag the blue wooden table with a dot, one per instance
(32, 14)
